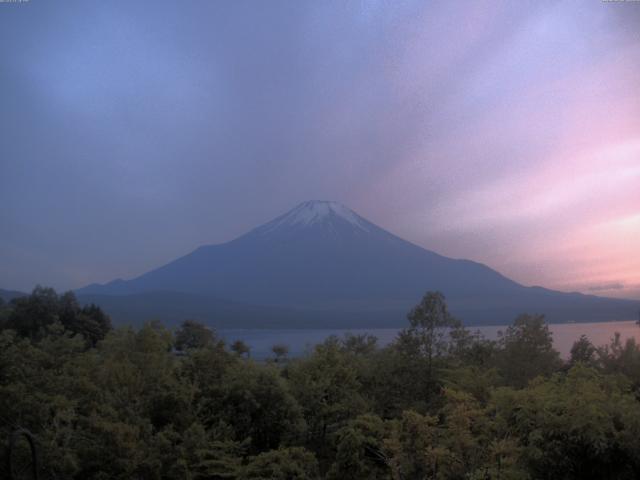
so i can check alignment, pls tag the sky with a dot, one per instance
(132, 132)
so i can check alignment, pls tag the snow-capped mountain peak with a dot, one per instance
(315, 212)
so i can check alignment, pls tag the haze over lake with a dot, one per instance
(302, 341)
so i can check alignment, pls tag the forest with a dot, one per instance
(440, 402)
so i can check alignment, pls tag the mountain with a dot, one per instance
(321, 264)
(8, 295)
(172, 307)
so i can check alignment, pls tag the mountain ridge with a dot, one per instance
(323, 257)
(8, 295)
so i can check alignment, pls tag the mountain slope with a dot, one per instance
(321, 257)
(173, 307)
(8, 295)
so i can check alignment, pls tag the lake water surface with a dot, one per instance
(302, 341)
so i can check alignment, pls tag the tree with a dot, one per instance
(32, 314)
(359, 450)
(282, 464)
(241, 348)
(129, 407)
(583, 352)
(4, 314)
(578, 425)
(362, 344)
(527, 350)
(619, 357)
(328, 388)
(465, 433)
(413, 447)
(402, 376)
(89, 321)
(197, 454)
(429, 324)
(471, 349)
(192, 335)
(256, 403)
(280, 351)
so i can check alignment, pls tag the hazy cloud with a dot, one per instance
(605, 286)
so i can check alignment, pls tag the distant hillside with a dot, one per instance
(8, 295)
(173, 307)
(321, 264)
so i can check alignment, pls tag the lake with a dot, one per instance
(301, 341)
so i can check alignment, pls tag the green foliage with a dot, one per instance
(411, 366)
(575, 425)
(471, 348)
(192, 334)
(240, 348)
(4, 314)
(527, 351)
(262, 409)
(327, 387)
(280, 351)
(32, 316)
(439, 403)
(363, 344)
(621, 358)
(360, 450)
(282, 464)
(429, 321)
(413, 446)
(583, 352)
